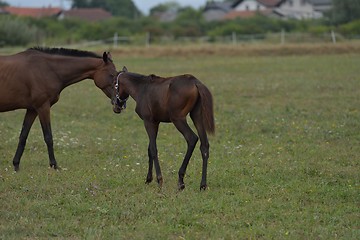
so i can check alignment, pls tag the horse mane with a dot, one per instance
(65, 52)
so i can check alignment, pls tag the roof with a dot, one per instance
(321, 2)
(222, 6)
(271, 3)
(33, 12)
(267, 3)
(88, 14)
(245, 14)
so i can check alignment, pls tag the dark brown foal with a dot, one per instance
(169, 100)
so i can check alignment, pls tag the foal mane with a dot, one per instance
(138, 76)
(65, 52)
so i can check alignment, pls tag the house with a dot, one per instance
(297, 9)
(250, 8)
(216, 10)
(86, 14)
(32, 12)
(167, 16)
(322, 5)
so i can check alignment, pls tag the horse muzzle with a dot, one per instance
(119, 105)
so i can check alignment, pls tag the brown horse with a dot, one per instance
(33, 80)
(169, 100)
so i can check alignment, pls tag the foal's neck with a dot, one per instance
(133, 84)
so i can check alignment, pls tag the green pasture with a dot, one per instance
(284, 163)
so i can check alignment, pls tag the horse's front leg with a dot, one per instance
(27, 123)
(44, 116)
(152, 130)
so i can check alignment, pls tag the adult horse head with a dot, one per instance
(34, 79)
(104, 77)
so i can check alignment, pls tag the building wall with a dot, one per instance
(249, 5)
(299, 9)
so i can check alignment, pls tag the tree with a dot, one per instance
(123, 8)
(165, 7)
(344, 11)
(3, 3)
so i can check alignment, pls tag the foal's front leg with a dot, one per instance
(152, 130)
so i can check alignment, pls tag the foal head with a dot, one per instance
(104, 76)
(119, 101)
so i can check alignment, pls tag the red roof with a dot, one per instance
(33, 12)
(88, 14)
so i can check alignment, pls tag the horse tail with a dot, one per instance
(207, 108)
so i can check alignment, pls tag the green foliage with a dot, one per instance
(15, 31)
(3, 3)
(189, 23)
(124, 8)
(351, 28)
(344, 11)
(165, 7)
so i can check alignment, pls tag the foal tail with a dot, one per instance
(207, 109)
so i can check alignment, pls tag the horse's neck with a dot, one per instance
(75, 69)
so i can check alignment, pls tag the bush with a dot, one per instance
(17, 32)
(351, 28)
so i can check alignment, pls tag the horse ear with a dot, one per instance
(105, 57)
(124, 69)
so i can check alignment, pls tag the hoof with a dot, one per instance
(54, 166)
(181, 186)
(203, 187)
(160, 181)
(148, 180)
(17, 167)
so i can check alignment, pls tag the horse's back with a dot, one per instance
(16, 73)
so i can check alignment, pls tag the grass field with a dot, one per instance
(284, 163)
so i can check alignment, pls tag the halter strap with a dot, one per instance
(117, 91)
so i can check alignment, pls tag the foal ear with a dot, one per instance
(109, 56)
(124, 69)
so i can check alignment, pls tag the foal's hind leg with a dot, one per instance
(191, 140)
(204, 146)
(27, 123)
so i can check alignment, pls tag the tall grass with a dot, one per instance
(283, 164)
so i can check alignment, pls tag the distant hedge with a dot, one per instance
(28, 31)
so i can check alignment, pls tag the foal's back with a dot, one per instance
(169, 98)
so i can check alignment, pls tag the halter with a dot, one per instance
(118, 99)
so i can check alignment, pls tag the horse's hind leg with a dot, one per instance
(204, 146)
(191, 140)
(27, 123)
(44, 116)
